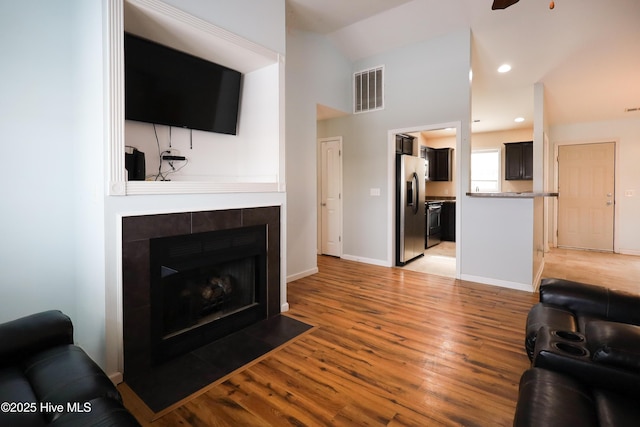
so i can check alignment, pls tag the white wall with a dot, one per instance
(262, 21)
(52, 123)
(89, 180)
(316, 74)
(497, 241)
(626, 134)
(425, 83)
(38, 124)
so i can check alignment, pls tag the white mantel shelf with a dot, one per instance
(513, 195)
(191, 187)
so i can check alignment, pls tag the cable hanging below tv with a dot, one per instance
(169, 87)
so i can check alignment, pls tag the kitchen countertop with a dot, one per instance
(514, 195)
(440, 199)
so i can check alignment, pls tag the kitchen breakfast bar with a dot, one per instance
(505, 245)
(513, 195)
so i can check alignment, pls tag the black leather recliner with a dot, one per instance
(47, 380)
(569, 305)
(584, 344)
(552, 399)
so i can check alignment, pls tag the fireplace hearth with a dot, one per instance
(210, 273)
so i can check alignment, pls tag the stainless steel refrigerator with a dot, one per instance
(410, 209)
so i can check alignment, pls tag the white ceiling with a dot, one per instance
(585, 52)
(320, 16)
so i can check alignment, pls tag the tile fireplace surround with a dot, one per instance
(136, 233)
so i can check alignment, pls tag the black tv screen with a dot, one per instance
(169, 87)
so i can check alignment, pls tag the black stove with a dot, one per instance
(433, 218)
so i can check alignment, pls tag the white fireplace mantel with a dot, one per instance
(257, 167)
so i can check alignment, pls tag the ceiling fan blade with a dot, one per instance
(502, 4)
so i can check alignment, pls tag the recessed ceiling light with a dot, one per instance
(504, 68)
(519, 119)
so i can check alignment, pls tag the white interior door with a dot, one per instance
(586, 177)
(331, 196)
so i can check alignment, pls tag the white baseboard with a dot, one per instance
(381, 263)
(538, 277)
(629, 252)
(116, 377)
(284, 307)
(495, 282)
(302, 274)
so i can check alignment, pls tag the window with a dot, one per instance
(485, 171)
(368, 90)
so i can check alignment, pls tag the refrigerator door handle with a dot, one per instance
(415, 194)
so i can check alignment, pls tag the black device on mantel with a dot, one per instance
(135, 164)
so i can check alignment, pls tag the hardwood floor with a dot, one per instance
(390, 347)
(615, 271)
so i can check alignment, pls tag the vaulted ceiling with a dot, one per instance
(585, 52)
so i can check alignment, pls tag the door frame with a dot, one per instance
(391, 186)
(319, 179)
(616, 191)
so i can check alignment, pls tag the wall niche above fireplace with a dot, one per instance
(194, 277)
(251, 161)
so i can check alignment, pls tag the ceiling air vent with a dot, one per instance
(368, 89)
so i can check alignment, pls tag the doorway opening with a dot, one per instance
(437, 146)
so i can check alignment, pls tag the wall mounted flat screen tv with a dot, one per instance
(169, 87)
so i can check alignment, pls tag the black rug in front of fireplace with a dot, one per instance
(178, 378)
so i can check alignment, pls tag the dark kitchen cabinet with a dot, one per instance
(448, 221)
(404, 144)
(518, 160)
(440, 163)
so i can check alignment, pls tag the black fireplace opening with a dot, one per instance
(205, 286)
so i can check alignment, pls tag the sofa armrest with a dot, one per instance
(550, 399)
(27, 335)
(592, 300)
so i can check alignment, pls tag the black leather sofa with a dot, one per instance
(552, 399)
(584, 344)
(47, 380)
